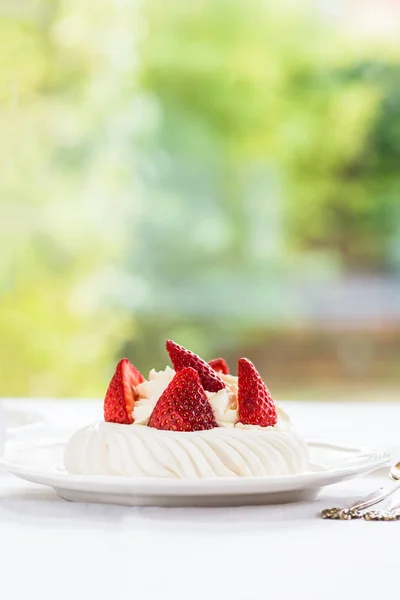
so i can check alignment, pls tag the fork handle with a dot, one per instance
(374, 498)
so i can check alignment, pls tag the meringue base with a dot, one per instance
(140, 451)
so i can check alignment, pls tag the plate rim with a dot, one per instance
(114, 485)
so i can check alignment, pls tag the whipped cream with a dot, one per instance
(224, 403)
(137, 451)
(149, 392)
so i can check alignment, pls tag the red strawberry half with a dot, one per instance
(119, 400)
(182, 358)
(183, 406)
(219, 365)
(255, 404)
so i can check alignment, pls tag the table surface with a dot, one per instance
(52, 548)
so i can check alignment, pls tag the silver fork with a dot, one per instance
(390, 513)
(354, 510)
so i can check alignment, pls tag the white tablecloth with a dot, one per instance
(50, 548)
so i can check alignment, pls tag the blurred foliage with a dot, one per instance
(164, 165)
(357, 212)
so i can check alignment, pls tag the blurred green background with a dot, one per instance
(223, 173)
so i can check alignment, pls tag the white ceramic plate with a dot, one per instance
(43, 463)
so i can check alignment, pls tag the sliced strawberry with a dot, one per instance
(183, 406)
(182, 358)
(219, 365)
(255, 404)
(119, 400)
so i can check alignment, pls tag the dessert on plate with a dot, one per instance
(193, 420)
